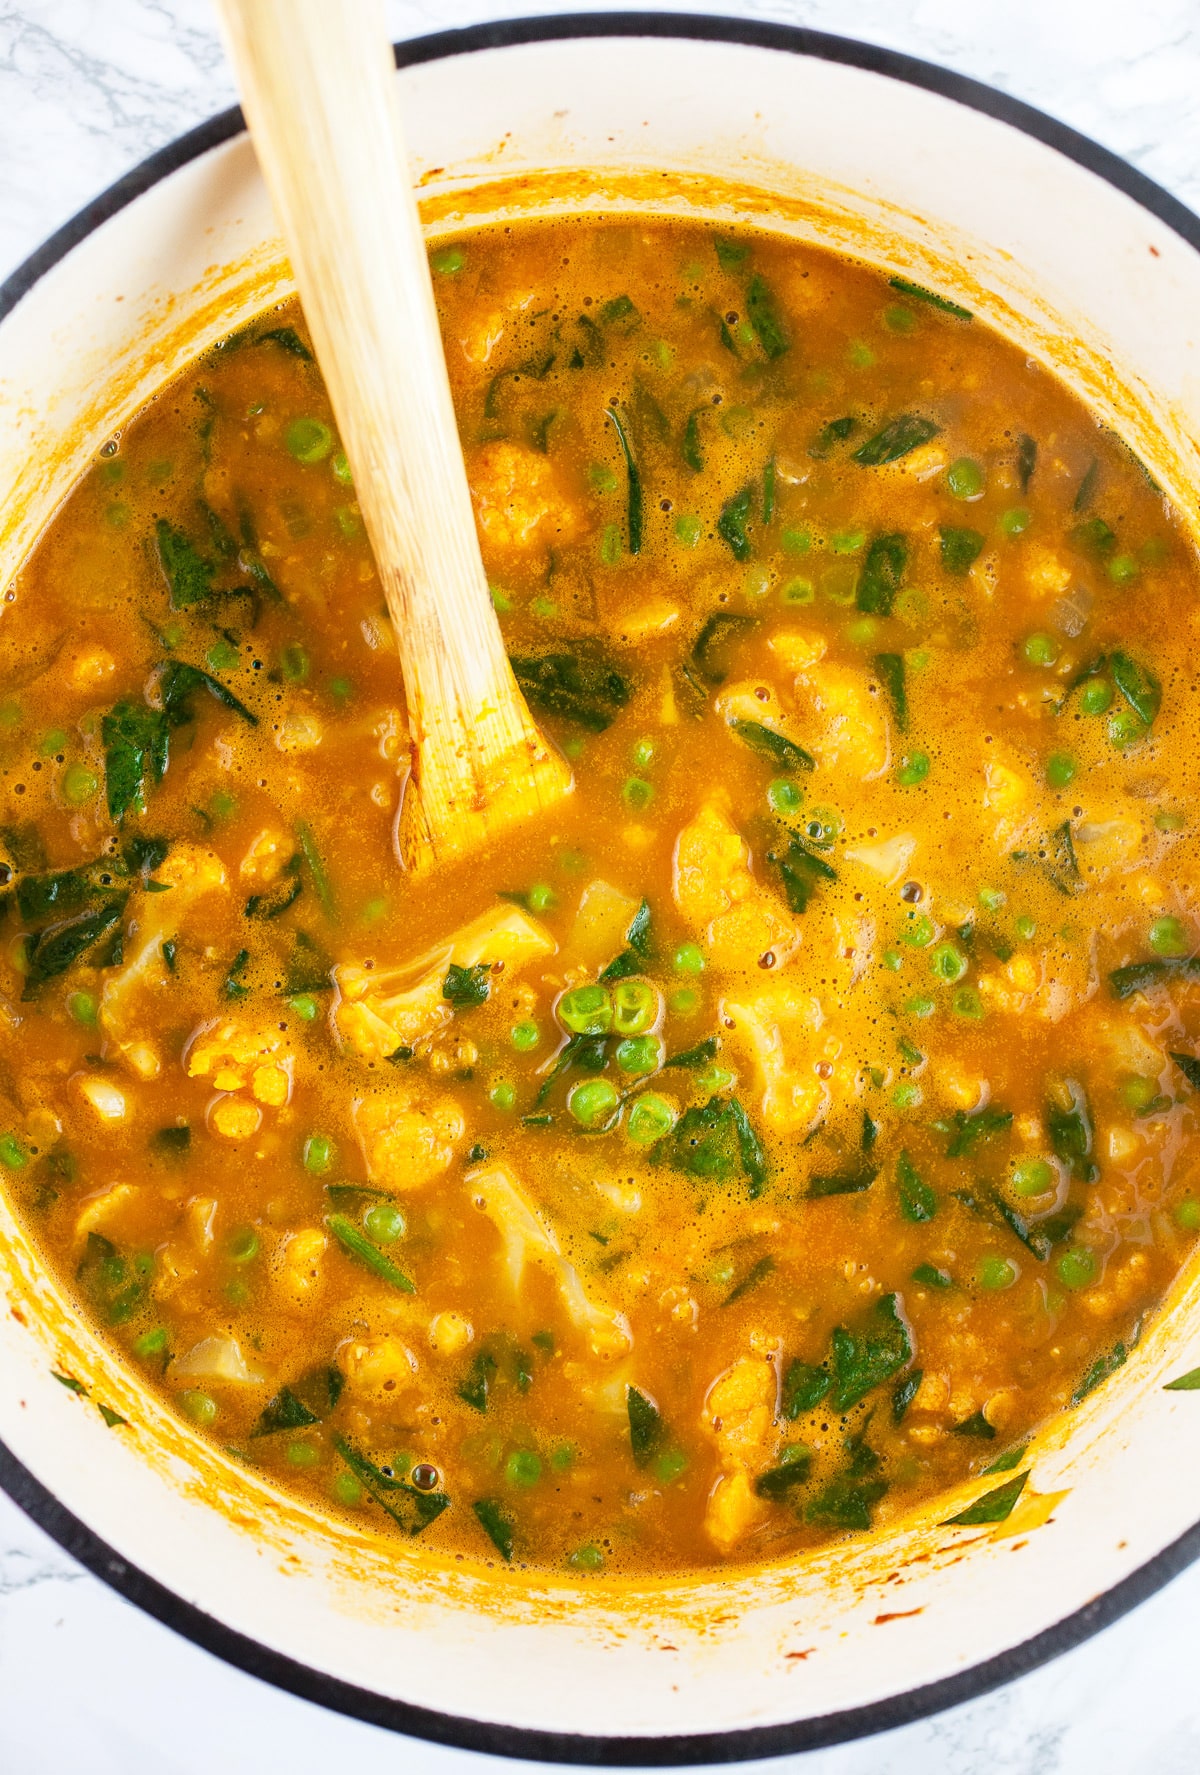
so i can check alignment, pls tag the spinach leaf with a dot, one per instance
(582, 687)
(731, 525)
(1189, 1066)
(716, 1141)
(900, 435)
(188, 574)
(775, 746)
(920, 294)
(981, 1124)
(1086, 488)
(286, 1411)
(587, 1052)
(136, 744)
(768, 505)
(60, 946)
(322, 886)
(830, 436)
(792, 1471)
(720, 628)
(762, 311)
(694, 1058)
(870, 1132)
(917, 1201)
(758, 1272)
(232, 986)
(960, 548)
(1100, 1370)
(640, 947)
(690, 448)
(283, 892)
(633, 509)
(842, 1183)
(931, 1277)
(1026, 460)
(287, 339)
(113, 1285)
(904, 1392)
(881, 575)
(801, 869)
(496, 1524)
(890, 667)
(994, 1506)
(477, 1384)
(39, 897)
(1093, 537)
(730, 253)
(1140, 976)
(850, 1497)
(179, 682)
(1061, 864)
(467, 987)
(356, 1245)
(307, 968)
(975, 1425)
(173, 1141)
(1140, 688)
(1071, 1132)
(864, 1360)
(645, 1425)
(803, 1388)
(1184, 1383)
(620, 312)
(409, 1509)
(1012, 1457)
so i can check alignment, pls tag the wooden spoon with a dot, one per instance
(319, 88)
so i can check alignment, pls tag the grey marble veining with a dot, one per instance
(87, 1683)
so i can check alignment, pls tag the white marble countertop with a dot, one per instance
(87, 1683)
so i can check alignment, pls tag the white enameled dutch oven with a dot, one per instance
(1096, 273)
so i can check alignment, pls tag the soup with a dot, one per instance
(767, 1139)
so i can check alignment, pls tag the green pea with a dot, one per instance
(893, 960)
(1169, 821)
(524, 1037)
(1095, 697)
(319, 1152)
(643, 752)
(502, 1094)
(611, 545)
(669, 1465)
(303, 1454)
(151, 1344)
(1060, 769)
(906, 1096)
(1169, 937)
(757, 582)
(899, 319)
(948, 963)
(79, 784)
(823, 826)
(918, 931)
(308, 440)
(635, 1006)
(1123, 569)
(341, 690)
(1187, 1215)
(991, 899)
(685, 1001)
(1136, 1092)
(794, 541)
(714, 1079)
(688, 530)
(965, 478)
(847, 542)
(640, 1053)
(637, 793)
(920, 1006)
(222, 804)
(385, 1223)
(294, 663)
(200, 1407)
(12, 1153)
(242, 1245)
(1040, 650)
(448, 261)
(593, 1103)
(785, 797)
(997, 1273)
(967, 1003)
(1015, 521)
(586, 1010)
(53, 742)
(650, 1117)
(1032, 1177)
(501, 601)
(1076, 1267)
(688, 959)
(84, 1009)
(347, 1490)
(545, 608)
(305, 1005)
(913, 769)
(862, 632)
(340, 465)
(1025, 928)
(523, 1467)
(541, 897)
(222, 657)
(587, 1558)
(797, 590)
(1126, 728)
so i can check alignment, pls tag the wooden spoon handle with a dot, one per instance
(319, 88)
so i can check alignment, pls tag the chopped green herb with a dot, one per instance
(645, 1426)
(882, 572)
(862, 1361)
(775, 746)
(917, 1200)
(465, 988)
(920, 294)
(582, 687)
(960, 548)
(994, 1506)
(890, 667)
(731, 525)
(901, 435)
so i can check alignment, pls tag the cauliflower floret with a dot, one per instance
(739, 1414)
(378, 1368)
(852, 731)
(527, 1238)
(1046, 574)
(236, 1055)
(798, 650)
(264, 861)
(889, 858)
(99, 1209)
(715, 890)
(778, 1028)
(217, 1358)
(405, 1142)
(189, 872)
(296, 1268)
(382, 1009)
(515, 495)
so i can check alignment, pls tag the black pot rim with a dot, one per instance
(287, 1673)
